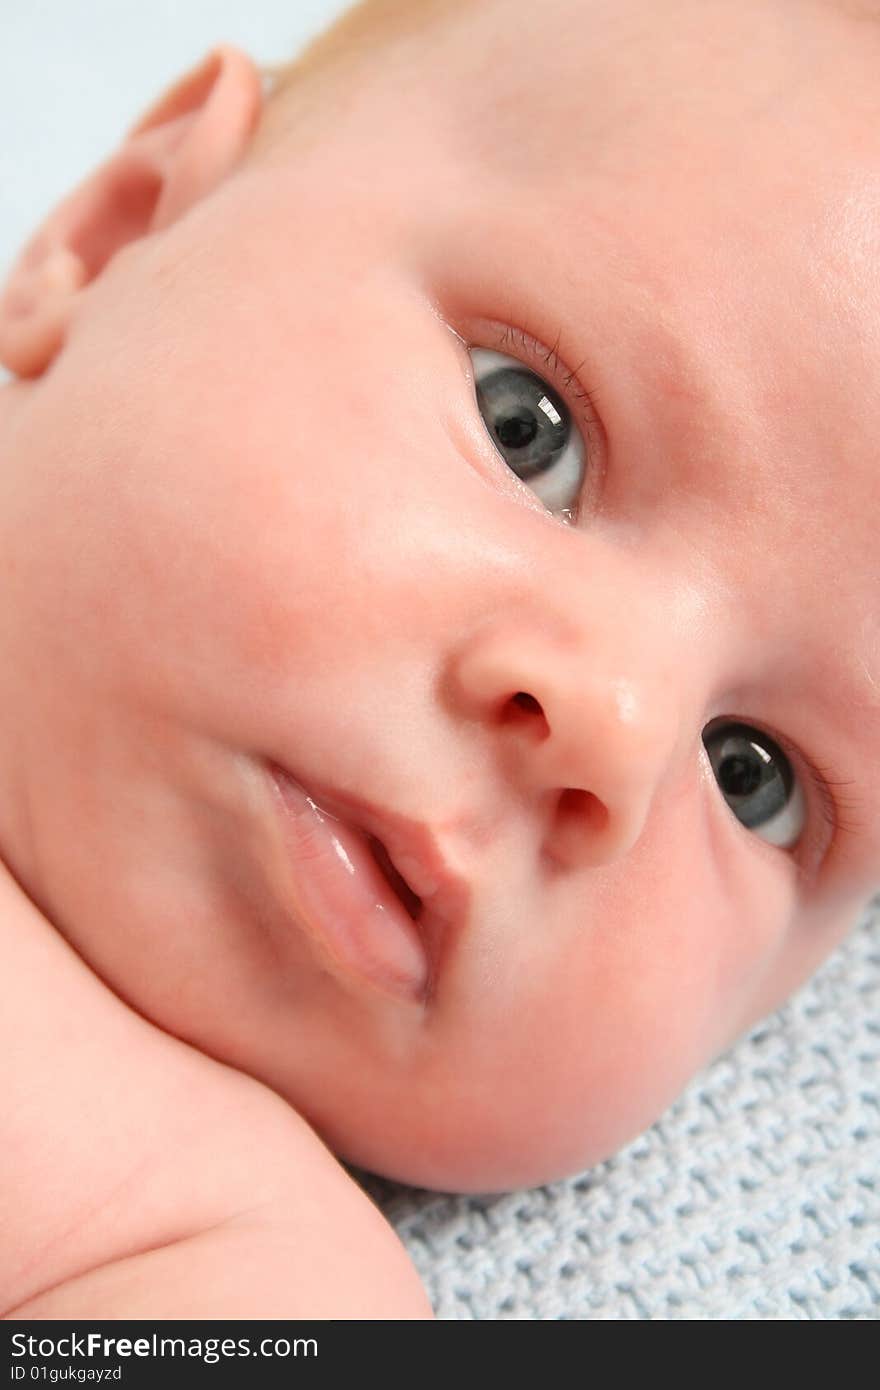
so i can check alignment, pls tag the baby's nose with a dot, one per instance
(584, 718)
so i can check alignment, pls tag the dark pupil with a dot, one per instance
(752, 772)
(517, 430)
(739, 775)
(525, 417)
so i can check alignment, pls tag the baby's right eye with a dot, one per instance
(757, 781)
(532, 429)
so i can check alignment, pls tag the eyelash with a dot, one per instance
(570, 384)
(831, 802)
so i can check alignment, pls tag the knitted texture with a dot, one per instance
(757, 1195)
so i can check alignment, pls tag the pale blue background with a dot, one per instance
(75, 74)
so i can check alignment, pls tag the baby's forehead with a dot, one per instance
(706, 200)
(744, 133)
(714, 218)
(572, 75)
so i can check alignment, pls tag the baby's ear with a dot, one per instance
(177, 152)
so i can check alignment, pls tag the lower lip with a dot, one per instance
(344, 900)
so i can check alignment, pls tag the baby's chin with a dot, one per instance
(476, 1168)
(485, 1152)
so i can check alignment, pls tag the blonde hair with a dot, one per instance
(367, 24)
(361, 31)
(351, 41)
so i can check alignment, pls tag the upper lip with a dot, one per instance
(414, 850)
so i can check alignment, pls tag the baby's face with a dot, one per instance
(257, 516)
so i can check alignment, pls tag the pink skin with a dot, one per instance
(250, 511)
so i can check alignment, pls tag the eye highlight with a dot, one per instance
(530, 421)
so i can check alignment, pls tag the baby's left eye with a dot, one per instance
(757, 781)
(531, 427)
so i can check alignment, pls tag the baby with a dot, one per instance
(440, 626)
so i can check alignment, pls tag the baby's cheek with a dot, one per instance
(754, 932)
(598, 1043)
(645, 1004)
(812, 931)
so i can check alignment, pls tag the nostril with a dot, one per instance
(520, 708)
(526, 702)
(524, 710)
(581, 812)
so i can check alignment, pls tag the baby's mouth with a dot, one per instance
(411, 901)
(371, 888)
